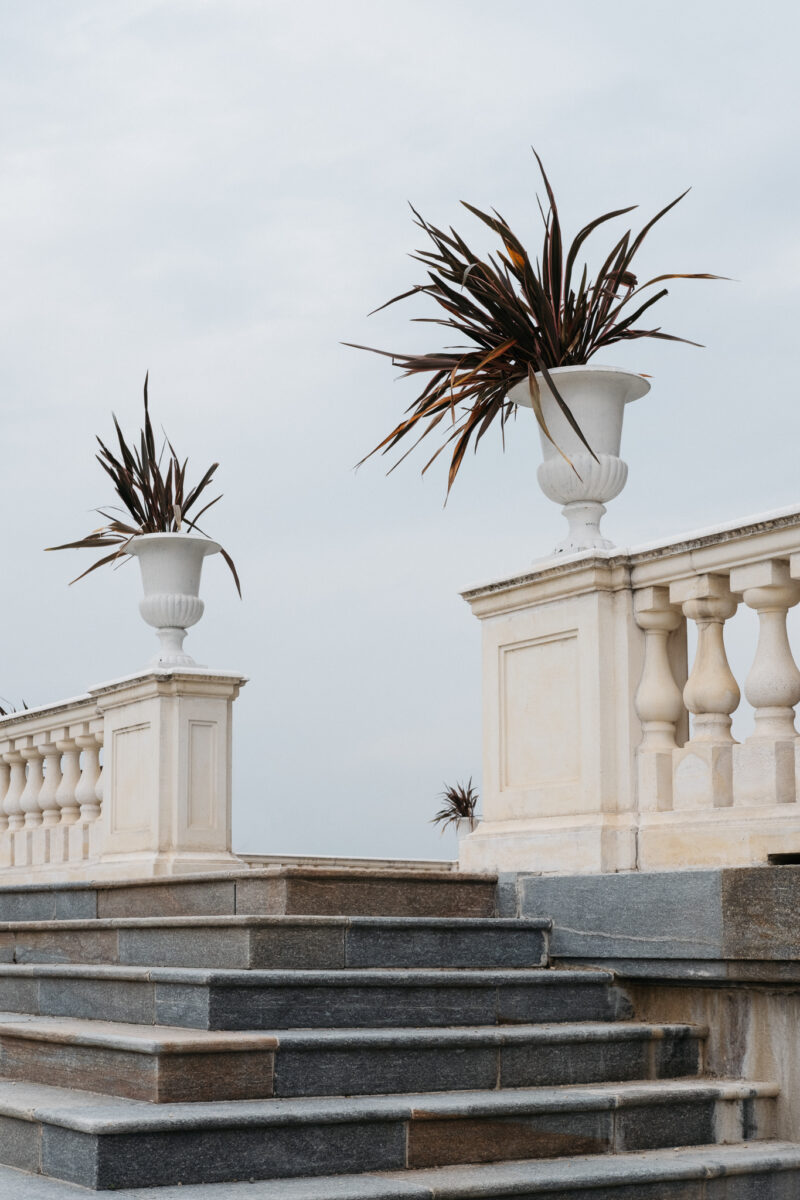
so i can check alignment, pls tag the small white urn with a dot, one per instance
(171, 564)
(596, 396)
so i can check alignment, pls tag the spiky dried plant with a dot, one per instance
(521, 317)
(460, 801)
(155, 501)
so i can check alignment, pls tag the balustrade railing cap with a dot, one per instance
(717, 547)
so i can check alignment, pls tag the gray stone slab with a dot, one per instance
(558, 1003)
(176, 899)
(189, 1007)
(320, 1006)
(366, 1071)
(677, 1054)
(19, 994)
(186, 946)
(657, 1126)
(20, 1143)
(665, 914)
(213, 1156)
(759, 909)
(296, 947)
(537, 1065)
(106, 999)
(454, 946)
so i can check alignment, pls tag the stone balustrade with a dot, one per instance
(129, 780)
(603, 751)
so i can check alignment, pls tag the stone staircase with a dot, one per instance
(345, 1034)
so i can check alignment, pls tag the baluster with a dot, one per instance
(70, 777)
(764, 766)
(703, 775)
(29, 800)
(97, 728)
(16, 786)
(48, 796)
(5, 775)
(658, 701)
(85, 792)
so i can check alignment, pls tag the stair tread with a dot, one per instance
(339, 976)
(142, 1039)
(153, 1039)
(492, 1181)
(91, 1112)
(282, 921)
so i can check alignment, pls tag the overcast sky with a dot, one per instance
(217, 190)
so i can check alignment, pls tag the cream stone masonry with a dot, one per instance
(158, 803)
(589, 761)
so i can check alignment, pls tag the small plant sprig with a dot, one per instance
(520, 315)
(155, 501)
(460, 801)
(7, 709)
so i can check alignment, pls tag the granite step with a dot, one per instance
(764, 1170)
(281, 942)
(300, 891)
(374, 1061)
(165, 1064)
(103, 1142)
(253, 999)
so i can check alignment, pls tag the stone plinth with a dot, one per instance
(562, 656)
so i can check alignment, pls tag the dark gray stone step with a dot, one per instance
(318, 943)
(273, 891)
(164, 1064)
(370, 1061)
(766, 1170)
(248, 999)
(106, 1142)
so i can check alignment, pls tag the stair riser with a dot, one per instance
(344, 1072)
(279, 1151)
(281, 948)
(199, 1006)
(174, 1078)
(309, 896)
(156, 1078)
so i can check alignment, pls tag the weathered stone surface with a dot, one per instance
(173, 899)
(362, 1071)
(653, 1126)
(106, 998)
(759, 911)
(668, 914)
(208, 1156)
(434, 1143)
(496, 943)
(575, 1062)
(20, 1143)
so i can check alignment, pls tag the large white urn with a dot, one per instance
(596, 396)
(171, 564)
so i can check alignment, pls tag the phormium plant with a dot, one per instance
(519, 316)
(152, 500)
(460, 800)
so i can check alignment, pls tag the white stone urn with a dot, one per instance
(171, 564)
(596, 397)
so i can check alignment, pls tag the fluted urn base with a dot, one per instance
(596, 396)
(171, 565)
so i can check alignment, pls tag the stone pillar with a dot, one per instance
(562, 656)
(764, 766)
(167, 771)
